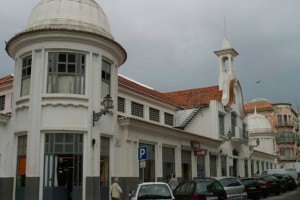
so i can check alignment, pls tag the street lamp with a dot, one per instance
(251, 147)
(108, 104)
(229, 136)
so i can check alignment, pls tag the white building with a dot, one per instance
(262, 143)
(59, 141)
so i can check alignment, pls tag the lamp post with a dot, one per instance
(108, 104)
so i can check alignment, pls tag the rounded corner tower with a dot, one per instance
(66, 64)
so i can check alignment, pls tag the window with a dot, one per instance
(137, 109)
(285, 119)
(224, 165)
(21, 161)
(149, 170)
(221, 124)
(213, 165)
(2, 102)
(168, 158)
(279, 118)
(26, 74)
(168, 119)
(121, 104)
(233, 123)
(245, 132)
(104, 162)
(154, 114)
(105, 76)
(66, 73)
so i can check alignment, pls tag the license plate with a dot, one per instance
(252, 188)
(212, 198)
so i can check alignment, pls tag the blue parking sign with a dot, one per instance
(142, 153)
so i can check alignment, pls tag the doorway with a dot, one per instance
(63, 167)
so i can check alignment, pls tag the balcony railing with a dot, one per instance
(286, 138)
(288, 158)
(285, 124)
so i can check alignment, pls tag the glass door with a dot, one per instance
(63, 167)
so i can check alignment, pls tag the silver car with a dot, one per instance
(152, 190)
(234, 188)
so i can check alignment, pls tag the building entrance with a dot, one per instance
(63, 167)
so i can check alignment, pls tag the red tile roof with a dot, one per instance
(186, 99)
(6, 79)
(132, 85)
(200, 96)
(258, 104)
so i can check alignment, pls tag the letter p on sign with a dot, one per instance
(142, 153)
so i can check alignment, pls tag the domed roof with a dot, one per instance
(258, 123)
(259, 101)
(80, 15)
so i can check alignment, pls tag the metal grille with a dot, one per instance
(121, 104)
(137, 109)
(168, 119)
(154, 114)
(2, 102)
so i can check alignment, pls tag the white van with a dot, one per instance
(290, 171)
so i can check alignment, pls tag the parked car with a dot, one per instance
(290, 171)
(291, 183)
(283, 182)
(200, 189)
(233, 187)
(271, 185)
(253, 188)
(152, 190)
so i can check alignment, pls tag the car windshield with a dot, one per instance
(248, 181)
(230, 182)
(204, 186)
(270, 178)
(155, 191)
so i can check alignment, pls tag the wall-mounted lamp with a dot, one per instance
(229, 136)
(93, 142)
(251, 147)
(108, 104)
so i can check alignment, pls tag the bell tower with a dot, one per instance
(227, 70)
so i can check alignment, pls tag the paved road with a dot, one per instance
(290, 195)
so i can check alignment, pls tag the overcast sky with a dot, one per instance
(170, 43)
